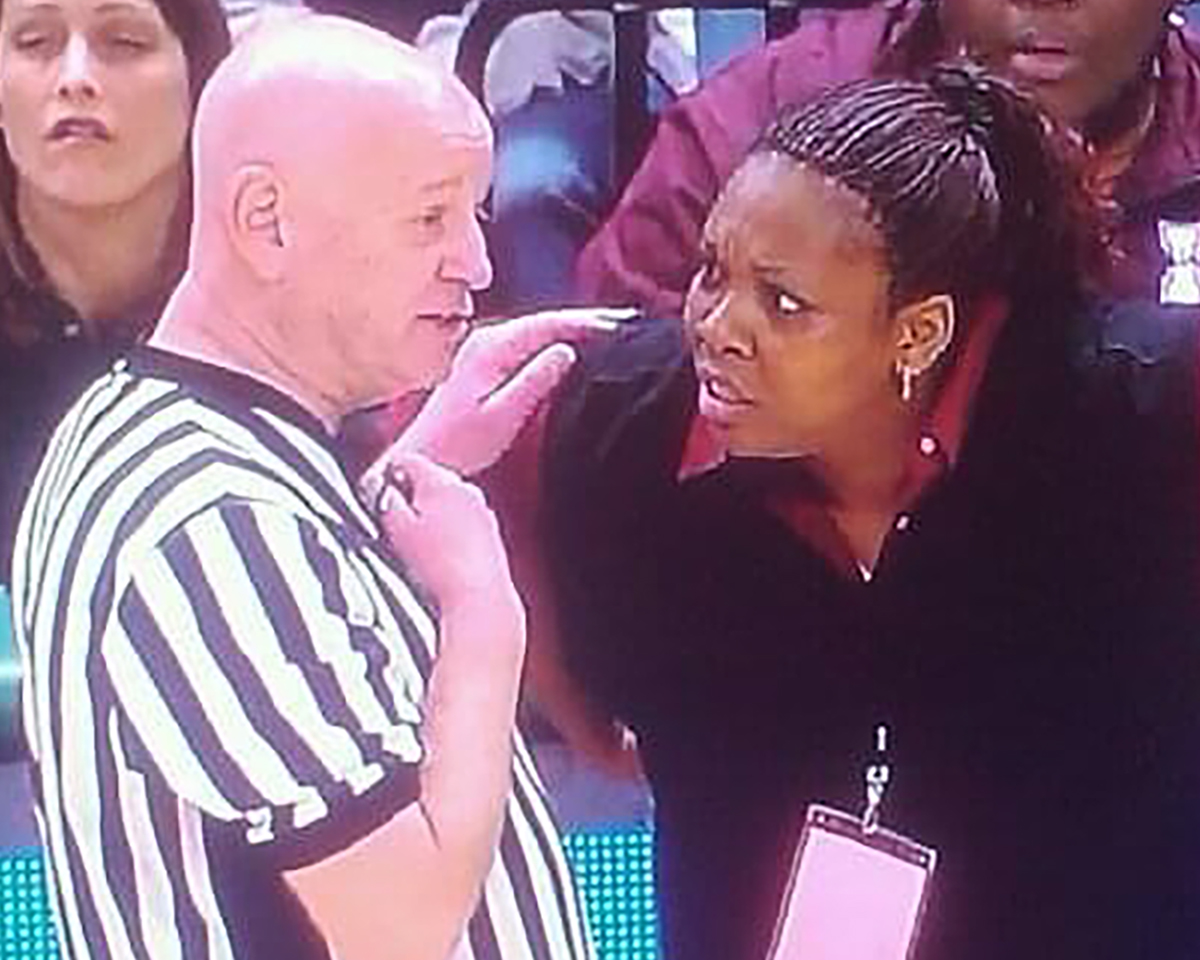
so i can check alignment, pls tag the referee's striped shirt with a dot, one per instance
(224, 677)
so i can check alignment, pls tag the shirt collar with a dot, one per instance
(1169, 154)
(234, 392)
(945, 426)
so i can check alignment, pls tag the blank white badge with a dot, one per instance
(854, 894)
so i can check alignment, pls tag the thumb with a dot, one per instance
(525, 390)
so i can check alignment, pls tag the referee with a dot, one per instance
(271, 718)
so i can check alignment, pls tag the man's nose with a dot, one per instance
(76, 73)
(468, 261)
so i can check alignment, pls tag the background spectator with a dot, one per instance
(95, 198)
(548, 87)
(1125, 72)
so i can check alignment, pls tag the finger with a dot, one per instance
(516, 340)
(397, 481)
(423, 476)
(524, 392)
(604, 315)
(396, 515)
(393, 504)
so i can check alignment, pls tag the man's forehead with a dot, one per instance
(453, 115)
(429, 163)
(341, 66)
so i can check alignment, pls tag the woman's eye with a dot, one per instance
(786, 305)
(126, 36)
(127, 42)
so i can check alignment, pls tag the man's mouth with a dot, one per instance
(449, 320)
(80, 128)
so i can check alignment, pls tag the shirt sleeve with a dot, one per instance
(263, 677)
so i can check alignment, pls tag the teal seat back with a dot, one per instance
(613, 866)
(26, 926)
(11, 746)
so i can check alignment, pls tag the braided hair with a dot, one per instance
(972, 188)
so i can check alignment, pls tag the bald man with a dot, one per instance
(272, 717)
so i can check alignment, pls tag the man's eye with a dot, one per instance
(30, 41)
(433, 218)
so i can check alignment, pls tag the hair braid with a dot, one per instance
(972, 187)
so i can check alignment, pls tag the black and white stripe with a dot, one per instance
(223, 679)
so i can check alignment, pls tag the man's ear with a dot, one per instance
(924, 330)
(257, 220)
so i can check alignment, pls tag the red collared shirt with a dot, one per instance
(936, 451)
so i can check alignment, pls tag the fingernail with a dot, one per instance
(396, 480)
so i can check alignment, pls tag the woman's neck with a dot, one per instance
(868, 475)
(102, 260)
(1128, 117)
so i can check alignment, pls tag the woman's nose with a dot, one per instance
(76, 75)
(718, 330)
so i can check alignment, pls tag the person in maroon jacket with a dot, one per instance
(1125, 73)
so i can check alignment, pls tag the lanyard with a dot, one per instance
(878, 774)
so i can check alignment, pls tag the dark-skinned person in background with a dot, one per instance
(1124, 73)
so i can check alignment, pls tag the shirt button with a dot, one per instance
(928, 445)
(903, 522)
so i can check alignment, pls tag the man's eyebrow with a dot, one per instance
(443, 184)
(112, 6)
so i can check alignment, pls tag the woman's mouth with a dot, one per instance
(77, 129)
(1037, 59)
(721, 400)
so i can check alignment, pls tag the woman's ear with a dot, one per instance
(924, 330)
